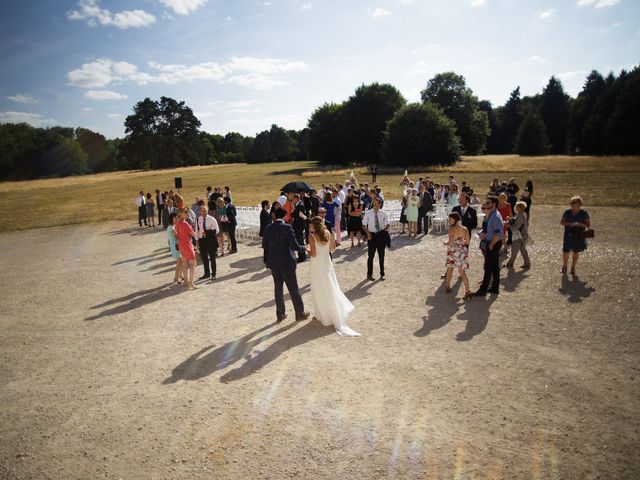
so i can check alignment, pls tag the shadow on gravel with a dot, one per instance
(307, 333)
(134, 231)
(443, 307)
(136, 300)
(209, 360)
(272, 303)
(575, 289)
(161, 252)
(477, 315)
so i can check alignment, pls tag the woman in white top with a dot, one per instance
(330, 305)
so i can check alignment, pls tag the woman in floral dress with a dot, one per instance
(457, 253)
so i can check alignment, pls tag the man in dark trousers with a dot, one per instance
(278, 244)
(376, 225)
(142, 209)
(299, 223)
(206, 230)
(425, 207)
(160, 200)
(233, 223)
(374, 173)
(494, 244)
(467, 213)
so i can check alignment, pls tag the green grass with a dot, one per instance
(601, 181)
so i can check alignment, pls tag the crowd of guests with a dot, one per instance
(357, 209)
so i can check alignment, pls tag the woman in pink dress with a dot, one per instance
(184, 232)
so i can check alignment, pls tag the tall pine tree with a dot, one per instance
(554, 110)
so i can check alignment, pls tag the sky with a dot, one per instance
(244, 65)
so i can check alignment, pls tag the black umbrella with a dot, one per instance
(296, 187)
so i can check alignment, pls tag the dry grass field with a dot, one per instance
(602, 181)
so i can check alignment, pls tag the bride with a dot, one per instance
(330, 305)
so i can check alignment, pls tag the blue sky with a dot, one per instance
(243, 65)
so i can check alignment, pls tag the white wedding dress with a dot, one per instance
(330, 305)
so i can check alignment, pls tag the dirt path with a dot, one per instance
(107, 372)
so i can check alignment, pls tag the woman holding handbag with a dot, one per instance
(575, 221)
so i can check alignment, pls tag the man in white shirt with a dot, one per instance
(206, 231)
(142, 209)
(376, 224)
(282, 199)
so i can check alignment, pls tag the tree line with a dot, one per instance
(375, 125)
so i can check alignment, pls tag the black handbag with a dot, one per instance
(587, 233)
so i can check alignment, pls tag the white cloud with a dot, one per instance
(33, 119)
(87, 109)
(536, 58)
(115, 115)
(20, 98)
(381, 12)
(306, 6)
(477, 3)
(598, 3)
(183, 7)
(610, 27)
(544, 14)
(90, 11)
(104, 95)
(258, 73)
(566, 76)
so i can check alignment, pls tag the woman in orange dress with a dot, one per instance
(504, 209)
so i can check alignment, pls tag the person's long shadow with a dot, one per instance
(349, 254)
(271, 303)
(145, 258)
(133, 231)
(207, 361)
(513, 279)
(136, 300)
(307, 333)
(443, 307)
(477, 315)
(160, 265)
(360, 290)
(247, 265)
(575, 289)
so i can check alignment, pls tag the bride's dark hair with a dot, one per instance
(320, 229)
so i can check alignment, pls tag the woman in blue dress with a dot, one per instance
(330, 205)
(173, 246)
(575, 220)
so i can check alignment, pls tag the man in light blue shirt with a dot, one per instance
(493, 237)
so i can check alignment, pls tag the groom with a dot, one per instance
(279, 243)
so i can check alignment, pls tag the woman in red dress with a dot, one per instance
(184, 232)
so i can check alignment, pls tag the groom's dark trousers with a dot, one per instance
(279, 243)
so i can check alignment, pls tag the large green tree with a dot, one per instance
(162, 134)
(449, 91)
(366, 114)
(326, 135)
(554, 109)
(532, 138)
(100, 157)
(420, 135)
(509, 119)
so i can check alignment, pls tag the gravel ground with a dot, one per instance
(109, 372)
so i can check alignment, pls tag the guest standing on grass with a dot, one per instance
(493, 237)
(207, 230)
(142, 209)
(265, 217)
(457, 253)
(519, 236)
(173, 247)
(575, 220)
(151, 211)
(185, 234)
(376, 226)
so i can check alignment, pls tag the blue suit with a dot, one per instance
(279, 243)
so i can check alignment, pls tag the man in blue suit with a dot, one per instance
(278, 243)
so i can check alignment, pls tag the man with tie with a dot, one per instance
(467, 213)
(376, 225)
(160, 204)
(206, 230)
